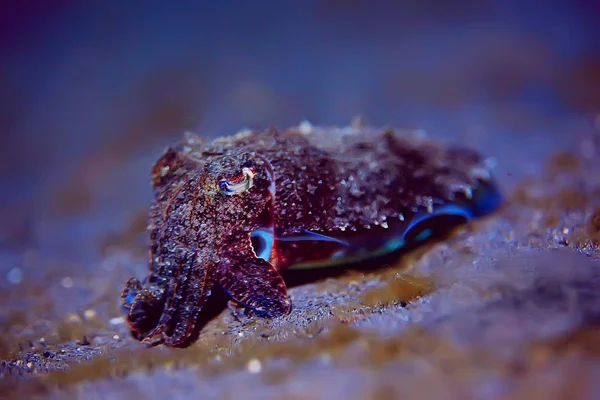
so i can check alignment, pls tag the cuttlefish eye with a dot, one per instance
(238, 184)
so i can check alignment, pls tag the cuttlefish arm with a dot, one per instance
(185, 298)
(252, 281)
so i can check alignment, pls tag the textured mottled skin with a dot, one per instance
(325, 180)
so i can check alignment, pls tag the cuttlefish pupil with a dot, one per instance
(237, 185)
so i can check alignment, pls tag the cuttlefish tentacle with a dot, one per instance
(253, 282)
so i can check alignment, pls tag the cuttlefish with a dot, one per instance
(233, 212)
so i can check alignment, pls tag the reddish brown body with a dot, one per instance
(213, 201)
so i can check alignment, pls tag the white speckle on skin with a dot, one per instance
(429, 205)
(490, 163)
(468, 193)
(357, 122)
(305, 127)
(481, 173)
(243, 133)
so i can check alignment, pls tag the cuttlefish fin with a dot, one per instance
(254, 283)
